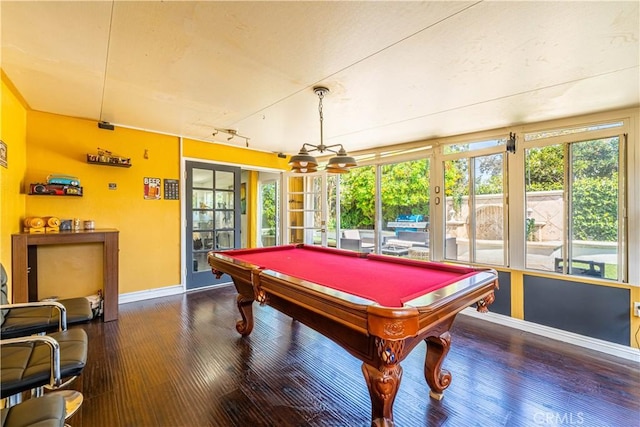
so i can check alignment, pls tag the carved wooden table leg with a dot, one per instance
(245, 305)
(437, 378)
(383, 382)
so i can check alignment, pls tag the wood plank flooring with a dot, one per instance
(178, 361)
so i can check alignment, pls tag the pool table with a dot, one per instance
(377, 307)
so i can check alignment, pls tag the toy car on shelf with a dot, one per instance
(63, 180)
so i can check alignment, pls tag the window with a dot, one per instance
(475, 213)
(473, 146)
(357, 207)
(532, 136)
(269, 213)
(405, 209)
(544, 194)
(456, 190)
(573, 198)
(333, 209)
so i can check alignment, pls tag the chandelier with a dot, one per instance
(303, 162)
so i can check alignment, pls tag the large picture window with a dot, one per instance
(573, 198)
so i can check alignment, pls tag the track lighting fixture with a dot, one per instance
(232, 134)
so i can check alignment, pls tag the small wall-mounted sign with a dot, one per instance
(151, 188)
(171, 189)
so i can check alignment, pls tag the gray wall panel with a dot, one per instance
(595, 311)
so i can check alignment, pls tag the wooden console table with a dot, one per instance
(24, 265)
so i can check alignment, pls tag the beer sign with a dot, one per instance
(151, 188)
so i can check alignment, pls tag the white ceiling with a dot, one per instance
(397, 71)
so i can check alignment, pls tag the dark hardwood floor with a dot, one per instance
(178, 361)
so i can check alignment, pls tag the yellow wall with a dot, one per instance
(13, 128)
(40, 144)
(150, 255)
(252, 209)
(149, 229)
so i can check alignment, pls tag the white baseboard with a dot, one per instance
(150, 293)
(217, 285)
(163, 292)
(602, 346)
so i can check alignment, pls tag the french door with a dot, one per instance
(305, 209)
(213, 218)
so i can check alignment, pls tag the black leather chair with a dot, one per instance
(37, 361)
(22, 319)
(46, 411)
(31, 363)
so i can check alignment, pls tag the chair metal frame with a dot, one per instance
(62, 310)
(55, 381)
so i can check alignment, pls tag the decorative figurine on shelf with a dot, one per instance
(107, 157)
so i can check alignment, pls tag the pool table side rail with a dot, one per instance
(341, 306)
(220, 256)
(451, 306)
(433, 299)
(360, 314)
(243, 274)
(369, 317)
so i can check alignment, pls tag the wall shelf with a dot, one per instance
(104, 159)
(51, 194)
(55, 190)
(118, 165)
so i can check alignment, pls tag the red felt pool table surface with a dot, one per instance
(389, 281)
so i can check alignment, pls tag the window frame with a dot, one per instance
(576, 137)
(472, 155)
(513, 164)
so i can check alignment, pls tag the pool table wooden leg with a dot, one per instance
(245, 305)
(383, 384)
(437, 378)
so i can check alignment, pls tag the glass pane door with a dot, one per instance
(213, 217)
(306, 209)
(269, 214)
